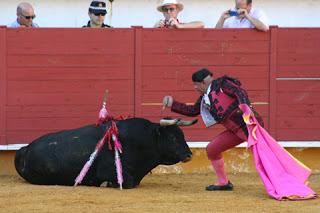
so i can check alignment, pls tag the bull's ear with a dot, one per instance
(187, 123)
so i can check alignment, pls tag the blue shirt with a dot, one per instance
(16, 24)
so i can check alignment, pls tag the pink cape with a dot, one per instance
(283, 176)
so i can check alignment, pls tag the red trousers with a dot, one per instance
(224, 141)
(233, 136)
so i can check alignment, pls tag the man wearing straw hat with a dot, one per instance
(170, 10)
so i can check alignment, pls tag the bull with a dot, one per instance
(57, 158)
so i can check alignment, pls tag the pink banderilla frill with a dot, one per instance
(117, 150)
(88, 164)
(283, 176)
(111, 133)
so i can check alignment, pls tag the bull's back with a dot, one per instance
(56, 158)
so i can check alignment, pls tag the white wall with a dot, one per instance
(126, 13)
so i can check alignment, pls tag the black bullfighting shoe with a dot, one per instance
(227, 187)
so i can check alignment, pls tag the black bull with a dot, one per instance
(57, 158)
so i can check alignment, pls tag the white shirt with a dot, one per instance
(236, 22)
(207, 118)
(16, 24)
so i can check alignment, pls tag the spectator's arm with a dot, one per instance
(222, 19)
(159, 24)
(259, 20)
(194, 24)
(258, 24)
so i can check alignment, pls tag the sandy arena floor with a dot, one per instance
(157, 193)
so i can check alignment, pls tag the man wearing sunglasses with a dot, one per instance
(97, 13)
(25, 16)
(170, 10)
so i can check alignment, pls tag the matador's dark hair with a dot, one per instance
(200, 75)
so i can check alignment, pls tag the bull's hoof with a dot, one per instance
(116, 185)
(227, 187)
(112, 185)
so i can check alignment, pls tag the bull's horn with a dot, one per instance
(187, 123)
(169, 122)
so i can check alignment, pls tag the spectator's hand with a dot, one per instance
(225, 15)
(167, 101)
(174, 23)
(160, 24)
(243, 13)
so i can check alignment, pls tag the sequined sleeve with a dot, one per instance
(188, 110)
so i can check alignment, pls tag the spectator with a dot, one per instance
(243, 16)
(97, 13)
(25, 16)
(170, 10)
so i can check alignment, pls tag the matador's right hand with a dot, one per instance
(167, 101)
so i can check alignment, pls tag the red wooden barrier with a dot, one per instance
(298, 84)
(56, 78)
(53, 79)
(3, 86)
(170, 58)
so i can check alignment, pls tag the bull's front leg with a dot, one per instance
(107, 173)
(128, 181)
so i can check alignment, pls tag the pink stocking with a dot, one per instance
(224, 141)
(218, 166)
